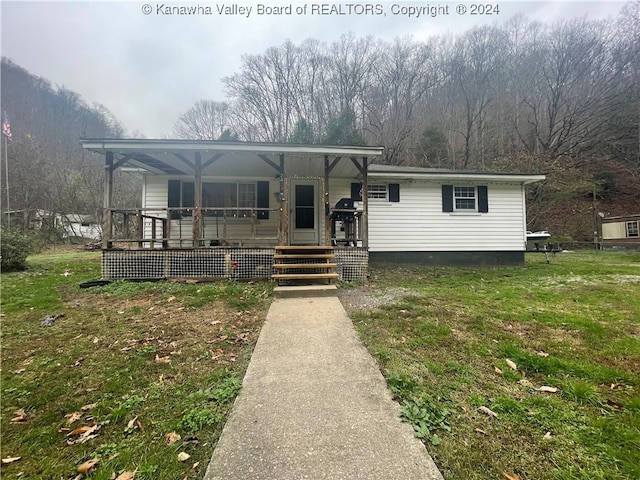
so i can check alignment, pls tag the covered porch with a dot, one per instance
(221, 209)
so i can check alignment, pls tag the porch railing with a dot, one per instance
(173, 227)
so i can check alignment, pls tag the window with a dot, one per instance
(458, 198)
(632, 229)
(390, 192)
(218, 195)
(377, 192)
(464, 198)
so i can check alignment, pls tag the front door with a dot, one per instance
(304, 212)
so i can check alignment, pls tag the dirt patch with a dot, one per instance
(368, 298)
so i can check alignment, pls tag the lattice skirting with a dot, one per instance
(231, 263)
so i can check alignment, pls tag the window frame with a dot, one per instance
(457, 196)
(632, 229)
(384, 191)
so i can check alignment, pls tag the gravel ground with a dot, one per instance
(369, 298)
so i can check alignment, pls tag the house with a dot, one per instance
(68, 226)
(75, 225)
(299, 212)
(622, 232)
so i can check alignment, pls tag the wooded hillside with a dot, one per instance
(561, 99)
(48, 169)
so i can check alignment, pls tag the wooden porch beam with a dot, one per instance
(209, 162)
(107, 223)
(365, 203)
(188, 162)
(334, 163)
(327, 205)
(271, 163)
(122, 161)
(196, 227)
(283, 230)
(361, 169)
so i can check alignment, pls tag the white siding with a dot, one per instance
(417, 222)
(611, 231)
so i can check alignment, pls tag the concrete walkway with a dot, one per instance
(314, 405)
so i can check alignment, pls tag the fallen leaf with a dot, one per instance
(497, 370)
(547, 435)
(541, 353)
(20, 416)
(166, 359)
(195, 465)
(488, 411)
(132, 422)
(78, 362)
(170, 299)
(510, 477)
(87, 466)
(479, 430)
(126, 476)
(183, 456)
(73, 417)
(525, 383)
(511, 364)
(81, 430)
(21, 370)
(546, 388)
(172, 438)
(8, 460)
(90, 406)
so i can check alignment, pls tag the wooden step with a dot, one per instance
(304, 255)
(304, 247)
(305, 265)
(304, 276)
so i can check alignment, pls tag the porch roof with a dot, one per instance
(177, 157)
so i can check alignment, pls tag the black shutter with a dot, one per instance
(188, 194)
(356, 192)
(483, 199)
(394, 192)
(173, 197)
(263, 200)
(447, 198)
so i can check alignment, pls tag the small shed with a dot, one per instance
(621, 232)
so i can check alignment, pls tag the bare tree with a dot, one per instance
(205, 120)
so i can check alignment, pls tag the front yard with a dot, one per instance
(528, 373)
(514, 373)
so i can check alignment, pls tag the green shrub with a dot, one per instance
(15, 245)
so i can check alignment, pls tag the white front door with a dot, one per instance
(304, 212)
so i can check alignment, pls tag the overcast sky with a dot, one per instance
(147, 67)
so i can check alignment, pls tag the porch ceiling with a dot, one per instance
(230, 159)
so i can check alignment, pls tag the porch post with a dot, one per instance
(283, 230)
(327, 206)
(106, 203)
(365, 203)
(196, 227)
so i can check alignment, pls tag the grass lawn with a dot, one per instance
(121, 372)
(529, 373)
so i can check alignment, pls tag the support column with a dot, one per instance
(365, 203)
(283, 230)
(107, 221)
(327, 205)
(196, 227)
